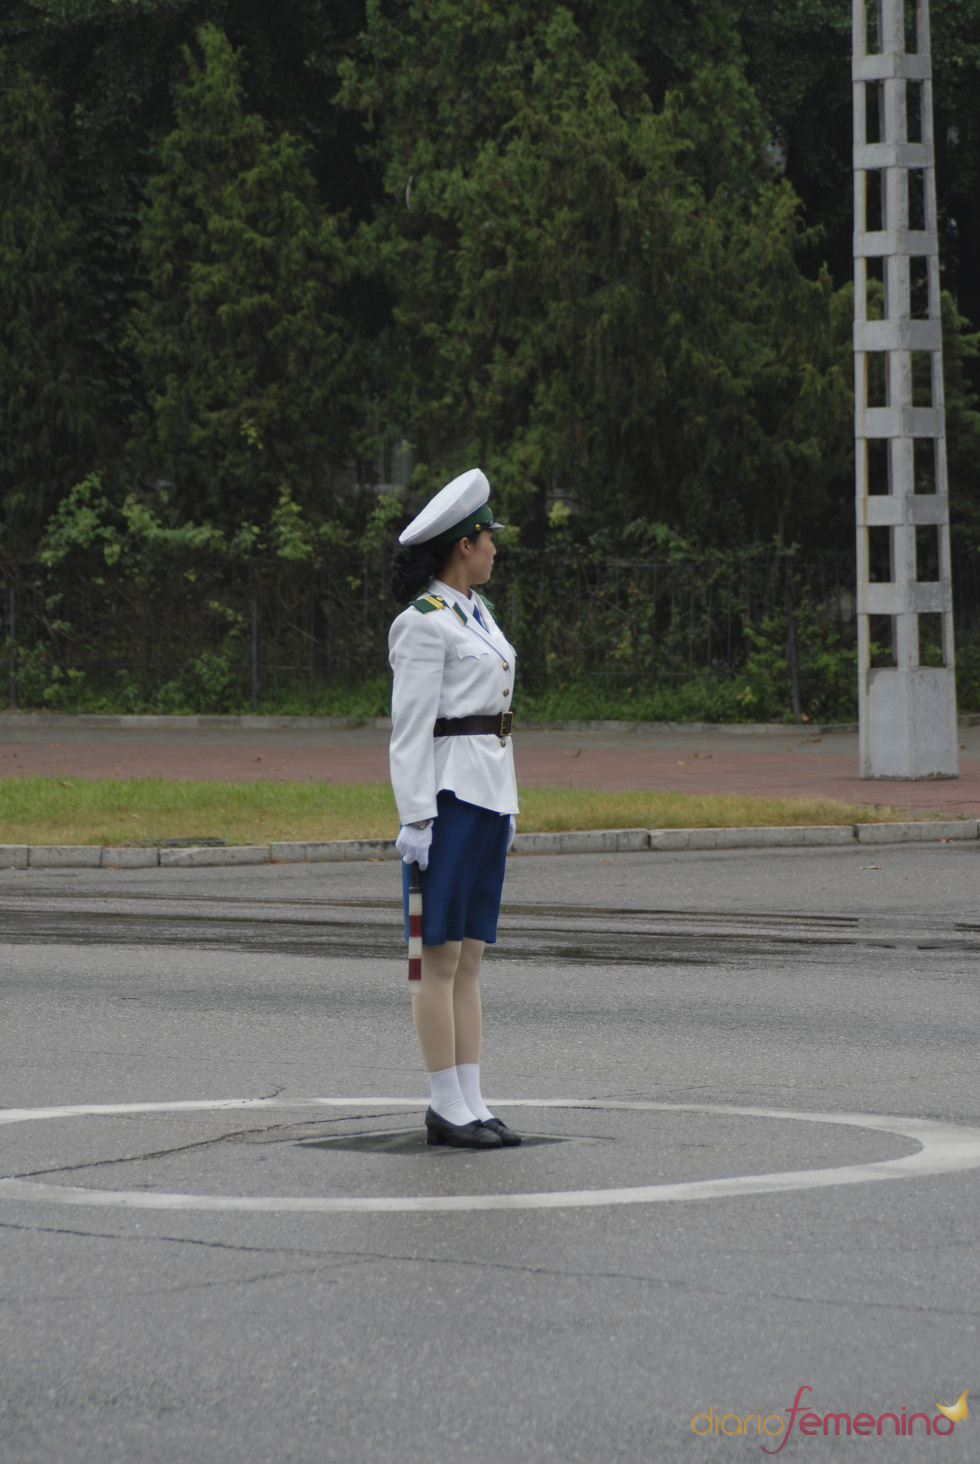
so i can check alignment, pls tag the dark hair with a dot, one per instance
(413, 566)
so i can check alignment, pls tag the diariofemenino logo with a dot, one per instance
(900, 1424)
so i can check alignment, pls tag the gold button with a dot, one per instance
(506, 691)
(506, 667)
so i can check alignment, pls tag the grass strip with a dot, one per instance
(47, 810)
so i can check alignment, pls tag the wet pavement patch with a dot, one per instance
(701, 943)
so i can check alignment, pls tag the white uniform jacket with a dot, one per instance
(446, 665)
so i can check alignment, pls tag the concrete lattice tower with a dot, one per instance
(907, 698)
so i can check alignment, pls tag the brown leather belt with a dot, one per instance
(501, 725)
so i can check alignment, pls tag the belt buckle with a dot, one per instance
(506, 727)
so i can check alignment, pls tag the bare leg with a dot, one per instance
(469, 1023)
(467, 1015)
(432, 1005)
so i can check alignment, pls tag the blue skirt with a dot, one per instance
(461, 887)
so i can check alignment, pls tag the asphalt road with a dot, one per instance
(257, 1327)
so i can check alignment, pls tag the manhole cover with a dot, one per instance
(403, 1141)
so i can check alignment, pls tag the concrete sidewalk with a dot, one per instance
(772, 762)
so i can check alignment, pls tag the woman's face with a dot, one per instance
(479, 561)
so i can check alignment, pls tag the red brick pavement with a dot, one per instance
(784, 774)
(224, 763)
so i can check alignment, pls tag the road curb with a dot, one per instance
(585, 841)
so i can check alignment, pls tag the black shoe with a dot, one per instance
(460, 1135)
(507, 1136)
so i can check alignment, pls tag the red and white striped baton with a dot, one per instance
(414, 924)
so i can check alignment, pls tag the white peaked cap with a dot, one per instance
(454, 506)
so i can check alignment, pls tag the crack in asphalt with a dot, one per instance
(329, 1260)
(224, 1138)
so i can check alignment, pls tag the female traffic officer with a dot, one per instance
(452, 770)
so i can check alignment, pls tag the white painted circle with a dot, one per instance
(945, 1149)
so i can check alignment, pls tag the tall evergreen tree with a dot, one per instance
(48, 402)
(246, 365)
(596, 294)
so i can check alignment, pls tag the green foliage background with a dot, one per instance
(601, 247)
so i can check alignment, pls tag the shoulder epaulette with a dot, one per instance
(428, 603)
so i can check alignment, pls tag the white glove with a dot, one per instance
(413, 844)
(511, 832)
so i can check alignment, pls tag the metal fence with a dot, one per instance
(181, 634)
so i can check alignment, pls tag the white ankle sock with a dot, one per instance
(469, 1083)
(446, 1097)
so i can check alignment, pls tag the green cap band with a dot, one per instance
(467, 527)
